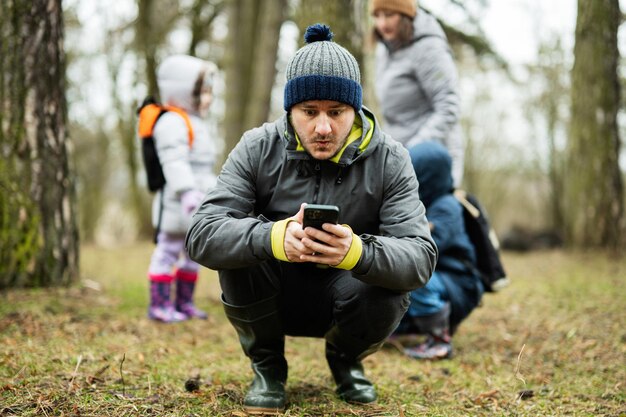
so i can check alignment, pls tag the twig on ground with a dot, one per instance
(78, 361)
(517, 372)
(19, 372)
(101, 370)
(489, 394)
(41, 407)
(122, 375)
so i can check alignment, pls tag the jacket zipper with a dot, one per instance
(318, 180)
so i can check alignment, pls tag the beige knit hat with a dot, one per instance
(406, 7)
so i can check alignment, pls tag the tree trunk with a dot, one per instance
(155, 20)
(347, 20)
(594, 191)
(145, 43)
(38, 193)
(250, 64)
(551, 73)
(137, 197)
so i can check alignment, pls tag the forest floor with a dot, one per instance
(553, 343)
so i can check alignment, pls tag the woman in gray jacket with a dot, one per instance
(416, 79)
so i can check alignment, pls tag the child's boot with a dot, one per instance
(438, 344)
(161, 308)
(185, 286)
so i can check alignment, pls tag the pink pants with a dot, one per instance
(169, 253)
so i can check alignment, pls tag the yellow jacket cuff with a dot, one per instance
(353, 255)
(277, 239)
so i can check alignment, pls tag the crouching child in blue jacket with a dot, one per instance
(454, 289)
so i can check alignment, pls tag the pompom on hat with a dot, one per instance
(406, 7)
(322, 70)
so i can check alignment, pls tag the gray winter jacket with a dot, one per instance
(266, 178)
(185, 167)
(416, 87)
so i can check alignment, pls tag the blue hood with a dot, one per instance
(433, 167)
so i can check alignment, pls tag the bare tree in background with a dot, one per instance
(594, 195)
(39, 225)
(109, 165)
(202, 15)
(250, 64)
(154, 22)
(548, 104)
(346, 18)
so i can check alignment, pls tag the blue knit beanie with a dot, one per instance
(322, 70)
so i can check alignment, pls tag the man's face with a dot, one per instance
(323, 126)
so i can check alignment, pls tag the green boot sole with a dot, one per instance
(265, 396)
(358, 394)
(259, 402)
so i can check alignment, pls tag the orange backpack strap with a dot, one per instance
(150, 113)
(148, 116)
(185, 117)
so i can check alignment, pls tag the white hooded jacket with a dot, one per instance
(185, 168)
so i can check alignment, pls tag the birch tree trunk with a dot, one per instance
(250, 64)
(594, 197)
(39, 229)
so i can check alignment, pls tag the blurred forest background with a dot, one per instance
(546, 164)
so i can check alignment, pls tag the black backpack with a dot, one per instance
(485, 242)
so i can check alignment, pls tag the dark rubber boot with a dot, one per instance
(262, 339)
(344, 354)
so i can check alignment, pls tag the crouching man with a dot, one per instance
(347, 283)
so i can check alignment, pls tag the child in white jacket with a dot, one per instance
(185, 82)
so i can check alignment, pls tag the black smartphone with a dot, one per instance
(315, 215)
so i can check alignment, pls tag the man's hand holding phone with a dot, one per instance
(315, 215)
(315, 237)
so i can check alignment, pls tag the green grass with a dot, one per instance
(558, 334)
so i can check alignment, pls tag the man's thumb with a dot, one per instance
(299, 217)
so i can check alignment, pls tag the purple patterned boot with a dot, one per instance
(185, 286)
(161, 308)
